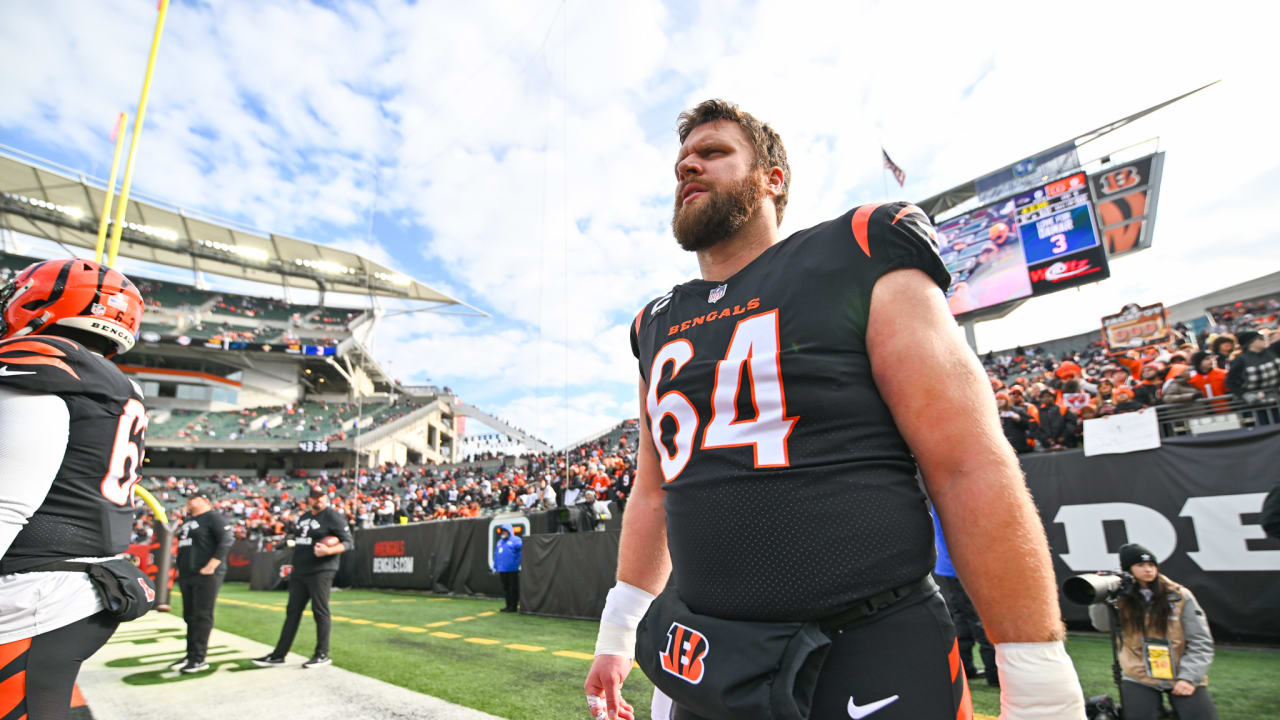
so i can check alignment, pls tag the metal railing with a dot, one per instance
(1209, 415)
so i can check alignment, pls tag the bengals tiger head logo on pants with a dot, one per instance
(685, 654)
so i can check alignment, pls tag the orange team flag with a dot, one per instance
(115, 132)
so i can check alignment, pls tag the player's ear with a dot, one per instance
(775, 181)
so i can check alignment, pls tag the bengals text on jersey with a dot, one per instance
(88, 511)
(790, 493)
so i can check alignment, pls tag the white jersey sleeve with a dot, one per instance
(33, 439)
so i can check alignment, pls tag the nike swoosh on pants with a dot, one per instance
(858, 712)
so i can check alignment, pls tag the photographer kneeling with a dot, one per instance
(1164, 643)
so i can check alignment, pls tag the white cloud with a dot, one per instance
(529, 173)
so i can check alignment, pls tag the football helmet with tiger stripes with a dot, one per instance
(73, 293)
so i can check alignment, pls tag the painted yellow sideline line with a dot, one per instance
(454, 636)
(573, 654)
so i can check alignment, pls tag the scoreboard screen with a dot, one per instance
(1036, 242)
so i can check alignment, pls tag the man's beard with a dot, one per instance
(723, 214)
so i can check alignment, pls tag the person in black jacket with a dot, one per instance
(315, 562)
(1053, 424)
(203, 543)
(1255, 371)
(1015, 421)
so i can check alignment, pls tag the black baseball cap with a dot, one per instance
(318, 492)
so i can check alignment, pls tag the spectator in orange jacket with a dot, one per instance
(1206, 376)
(1124, 400)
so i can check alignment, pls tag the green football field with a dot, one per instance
(530, 668)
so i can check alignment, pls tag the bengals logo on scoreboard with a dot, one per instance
(1117, 180)
(685, 654)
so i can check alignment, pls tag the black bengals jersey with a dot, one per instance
(789, 491)
(310, 529)
(88, 511)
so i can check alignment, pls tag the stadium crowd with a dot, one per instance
(1044, 400)
(264, 509)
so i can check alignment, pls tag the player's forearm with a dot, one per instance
(999, 549)
(643, 560)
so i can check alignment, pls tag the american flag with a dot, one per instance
(892, 167)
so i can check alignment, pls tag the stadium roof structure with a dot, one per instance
(948, 199)
(42, 199)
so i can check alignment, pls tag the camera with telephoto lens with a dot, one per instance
(1098, 587)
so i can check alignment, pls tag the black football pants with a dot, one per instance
(511, 588)
(314, 587)
(199, 593)
(969, 629)
(899, 664)
(38, 673)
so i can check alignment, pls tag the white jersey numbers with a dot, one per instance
(126, 454)
(755, 346)
(675, 404)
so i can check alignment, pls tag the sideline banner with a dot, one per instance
(267, 570)
(568, 574)
(239, 559)
(443, 556)
(1194, 502)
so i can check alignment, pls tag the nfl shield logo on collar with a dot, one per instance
(717, 293)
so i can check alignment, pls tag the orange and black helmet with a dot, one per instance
(72, 293)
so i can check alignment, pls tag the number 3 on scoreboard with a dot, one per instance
(755, 346)
(126, 454)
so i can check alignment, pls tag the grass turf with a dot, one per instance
(464, 651)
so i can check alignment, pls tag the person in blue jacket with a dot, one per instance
(506, 561)
(969, 628)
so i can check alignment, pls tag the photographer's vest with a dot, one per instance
(1132, 658)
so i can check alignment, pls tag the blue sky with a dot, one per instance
(518, 154)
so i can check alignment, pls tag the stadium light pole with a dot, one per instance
(117, 136)
(137, 131)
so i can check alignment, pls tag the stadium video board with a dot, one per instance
(1126, 197)
(1033, 243)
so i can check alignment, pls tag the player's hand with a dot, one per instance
(206, 570)
(1183, 688)
(320, 549)
(605, 681)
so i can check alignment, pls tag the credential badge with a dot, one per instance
(717, 293)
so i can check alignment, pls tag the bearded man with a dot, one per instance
(788, 399)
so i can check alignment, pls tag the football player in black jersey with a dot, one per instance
(315, 562)
(71, 441)
(788, 399)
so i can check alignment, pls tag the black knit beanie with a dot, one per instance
(1246, 337)
(1133, 553)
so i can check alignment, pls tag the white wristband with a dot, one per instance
(1038, 682)
(623, 608)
